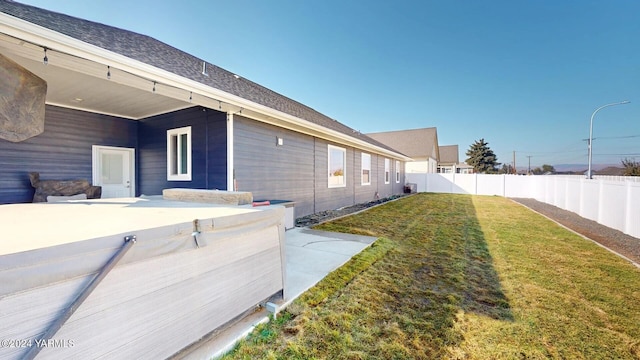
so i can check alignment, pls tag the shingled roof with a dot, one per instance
(449, 155)
(150, 51)
(418, 144)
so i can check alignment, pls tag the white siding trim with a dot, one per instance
(178, 176)
(344, 166)
(95, 165)
(387, 171)
(362, 168)
(230, 173)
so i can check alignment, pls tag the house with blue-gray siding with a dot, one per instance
(136, 116)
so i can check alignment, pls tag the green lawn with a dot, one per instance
(461, 277)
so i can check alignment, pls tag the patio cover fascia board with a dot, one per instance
(209, 96)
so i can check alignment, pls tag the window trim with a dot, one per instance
(387, 171)
(177, 176)
(397, 172)
(344, 170)
(362, 168)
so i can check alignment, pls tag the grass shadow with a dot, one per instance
(482, 291)
(431, 290)
(440, 266)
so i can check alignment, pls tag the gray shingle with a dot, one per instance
(416, 143)
(449, 154)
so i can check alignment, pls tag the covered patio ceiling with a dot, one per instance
(84, 85)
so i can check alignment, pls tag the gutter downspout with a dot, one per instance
(36, 346)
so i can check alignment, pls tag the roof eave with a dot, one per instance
(54, 40)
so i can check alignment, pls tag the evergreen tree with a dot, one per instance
(482, 158)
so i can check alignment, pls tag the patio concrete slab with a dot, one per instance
(310, 256)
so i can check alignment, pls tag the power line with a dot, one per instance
(549, 152)
(631, 154)
(617, 137)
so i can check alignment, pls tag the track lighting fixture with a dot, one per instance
(121, 72)
(126, 74)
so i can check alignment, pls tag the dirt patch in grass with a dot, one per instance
(462, 277)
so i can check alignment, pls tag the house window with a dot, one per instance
(179, 154)
(337, 166)
(366, 169)
(387, 165)
(397, 171)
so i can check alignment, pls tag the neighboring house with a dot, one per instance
(450, 163)
(448, 159)
(136, 116)
(463, 168)
(419, 144)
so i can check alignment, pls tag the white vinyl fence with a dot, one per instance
(611, 202)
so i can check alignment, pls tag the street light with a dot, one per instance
(589, 174)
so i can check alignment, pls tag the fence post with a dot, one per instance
(581, 205)
(426, 182)
(504, 185)
(628, 203)
(453, 182)
(567, 186)
(475, 184)
(600, 193)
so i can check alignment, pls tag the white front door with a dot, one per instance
(113, 169)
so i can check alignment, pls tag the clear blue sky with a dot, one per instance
(523, 75)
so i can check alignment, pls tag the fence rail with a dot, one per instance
(611, 202)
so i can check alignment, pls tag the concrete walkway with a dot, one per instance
(310, 256)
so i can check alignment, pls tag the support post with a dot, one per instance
(231, 175)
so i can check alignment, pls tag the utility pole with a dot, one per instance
(529, 171)
(515, 171)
